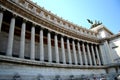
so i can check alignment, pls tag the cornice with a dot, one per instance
(60, 18)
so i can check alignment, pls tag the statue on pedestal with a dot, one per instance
(94, 24)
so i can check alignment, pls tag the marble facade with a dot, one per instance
(35, 44)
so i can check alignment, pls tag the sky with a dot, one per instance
(78, 11)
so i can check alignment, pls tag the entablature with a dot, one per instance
(33, 16)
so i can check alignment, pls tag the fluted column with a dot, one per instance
(93, 55)
(11, 37)
(32, 50)
(84, 53)
(49, 47)
(22, 40)
(89, 55)
(1, 19)
(79, 52)
(74, 52)
(41, 45)
(98, 57)
(56, 48)
(69, 52)
(63, 50)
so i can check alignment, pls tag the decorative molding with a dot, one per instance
(44, 22)
(47, 64)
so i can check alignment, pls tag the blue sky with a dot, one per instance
(77, 11)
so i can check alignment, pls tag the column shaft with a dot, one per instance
(1, 19)
(41, 46)
(89, 55)
(56, 48)
(109, 51)
(98, 57)
(103, 60)
(74, 52)
(69, 52)
(22, 40)
(63, 50)
(32, 50)
(84, 53)
(93, 55)
(11, 37)
(79, 52)
(49, 48)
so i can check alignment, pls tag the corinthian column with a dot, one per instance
(63, 50)
(74, 52)
(98, 57)
(22, 40)
(69, 52)
(93, 55)
(49, 47)
(89, 55)
(1, 19)
(41, 45)
(11, 37)
(32, 50)
(56, 48)
(84, 53)
(79, 52)
(103, 60)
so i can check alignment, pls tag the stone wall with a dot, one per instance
(115, 49)
(31, 72)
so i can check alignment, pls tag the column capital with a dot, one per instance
(14, 15)
(92, 43)
(33, 24)
(41, 28)
(68, 37)
(85, 41)
(73, 39)
(56, 34)
(96, 44)
(24, 20)
(78, 41)
(49, 31)
(2, 9)
(62, 35)
(82, 42)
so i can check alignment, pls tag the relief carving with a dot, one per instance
(16, 77)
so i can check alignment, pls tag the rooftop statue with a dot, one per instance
(94, 24)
